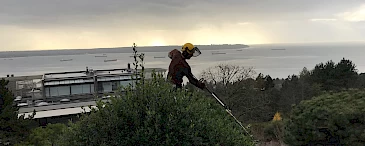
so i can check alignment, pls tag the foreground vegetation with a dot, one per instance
(337, 117)
(256, 99)
(12, 128)
(321, 105)
(153, 115)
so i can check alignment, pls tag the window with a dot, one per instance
(76, 89)
(47, 92)
(82, 89)
(92, 88)
(53, 91)
(115, 85)
(86, 88)
(57, 91)
(63, 90)
(107, 86)
(125, 83)
(100, 87)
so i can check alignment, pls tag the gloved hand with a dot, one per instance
(202, 80)
(201, 85)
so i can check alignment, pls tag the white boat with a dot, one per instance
(110, 60)
(213, 53)
(66, 60)
(160, 57)
(101, 56)
(278, 49)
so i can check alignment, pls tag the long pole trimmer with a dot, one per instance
(227, 110)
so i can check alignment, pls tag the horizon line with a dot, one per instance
(115, 47)
(318, 42)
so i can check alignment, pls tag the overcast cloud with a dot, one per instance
(55, 24)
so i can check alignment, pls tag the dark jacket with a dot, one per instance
(179, 68)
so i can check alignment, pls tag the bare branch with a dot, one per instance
(226, 73)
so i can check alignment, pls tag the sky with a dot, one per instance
(67, 24)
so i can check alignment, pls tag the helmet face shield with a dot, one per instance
(196, 52)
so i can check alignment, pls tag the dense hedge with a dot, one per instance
(337, 118)
(153, 115)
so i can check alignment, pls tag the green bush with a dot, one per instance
(341, 115)
(44, 136)
(153, 115)
(257, 130)
(274, 131)
(13, 129)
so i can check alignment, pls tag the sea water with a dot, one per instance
(276, 60)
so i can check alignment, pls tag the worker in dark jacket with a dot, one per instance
(179, 67)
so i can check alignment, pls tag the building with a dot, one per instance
(61, 95)
(84, 84)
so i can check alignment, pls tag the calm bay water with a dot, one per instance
(276, 63)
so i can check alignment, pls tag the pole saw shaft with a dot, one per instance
(217, 98)
(227, 110)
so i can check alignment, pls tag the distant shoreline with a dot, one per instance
(14, 54)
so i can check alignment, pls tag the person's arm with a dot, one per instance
(192, 79)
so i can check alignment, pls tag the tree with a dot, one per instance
(251, 100)
(227, 73)
(305, 74)
(333, 76)
(235, 86)
(153, 114)
(335, 117)
(232, 85)
(345, 74)
(45, 136)
(294, 90)
(360, 83)
(260, 82)
(12, 128)
(269, 82)
(323, 74)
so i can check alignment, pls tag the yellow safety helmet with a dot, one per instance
(191, 49)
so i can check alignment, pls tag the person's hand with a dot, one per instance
(202, 85)
(202, 80)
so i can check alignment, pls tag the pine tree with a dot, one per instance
(12, 128)
(269, 82)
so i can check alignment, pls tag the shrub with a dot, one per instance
(13, 129)
(274, 131)
(269, 131)
(329, 117)
(45, 136)
(153, 114)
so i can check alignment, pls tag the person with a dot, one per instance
(179, 68)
